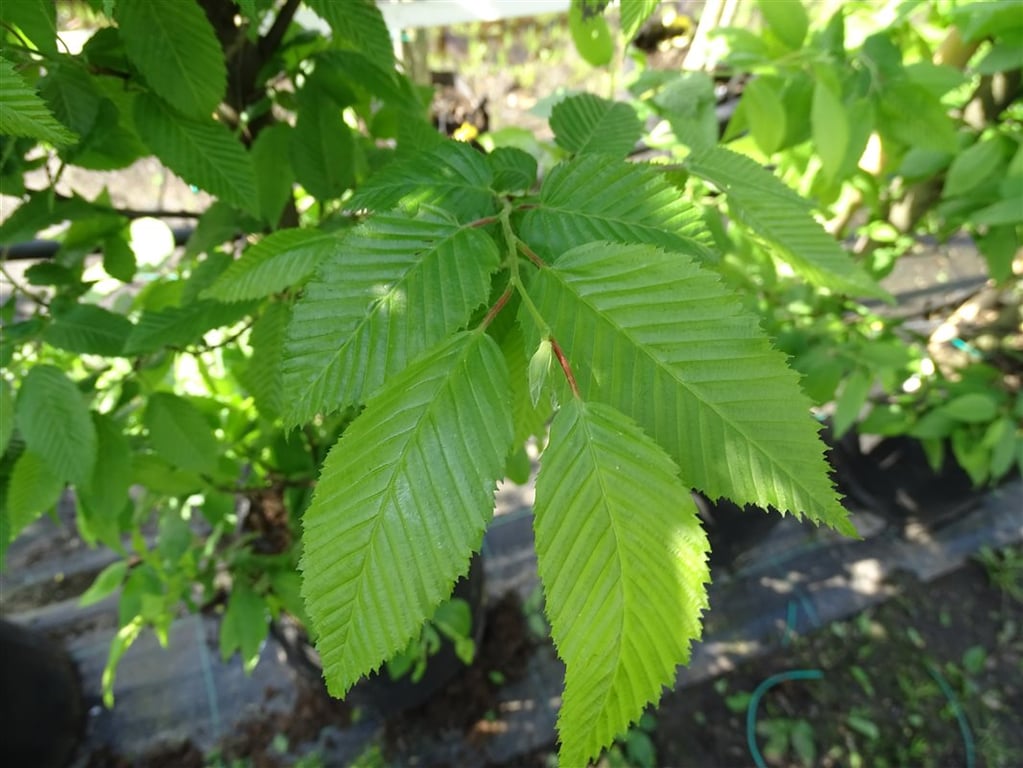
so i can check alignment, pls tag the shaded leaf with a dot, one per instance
(513, 169)
(175, 48)
(202, 152)
(322, 147)
(180, 433)
(34, 488)
(359, 25)
(102, 500)
(55, 424)
(23, 113)
(35, 19)
(89, 330)
(401, 504)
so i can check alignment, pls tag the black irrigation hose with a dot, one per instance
(38, 250)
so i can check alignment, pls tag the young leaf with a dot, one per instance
(108, 581)
(830, 125)
(588, 124)
(634, 13)
(322, 147)
(54, 421)
(102, 500)
(90, 330)
(202, 152)
(180, 433)
(33, 488)
(539, 368)
(850, 403)
(396, 287)
(401, 504)
(513, 169)
(23, 113)
(621, 553)
(661, 340)
(787, 19)
(590, 33)
(278, 261)
(600, 198)
(175, 48)
(453, 176)
(762, 103)
(529, 418)
(778, 215)
(974, 166)
(245, 625)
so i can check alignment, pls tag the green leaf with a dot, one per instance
(72, 96)
(830, 126)
(102, 500)
(23, 113)
(530, 419)
(972, 408)
(180, 326)
(322, 148)
(245, 625)
(119, 258)
(590, 33)
(55, 424)
(263, 378)
(35, 19)
(175, 48)
(622, 557)
(202, 152)
(539, 368)
(280, 260)
(690, 105)
(107, 582)
(274, 178)
(763, 106)
(396, 287)
(358, 25)
(775, 213)
(916, 118)
(851, 401)
(453, 175)
(974, 166)
(89, 330)
(998, 214)
(588, 124)
(514, 170)
(180, 433)
(33, 488)
(6, 414)
(655, 336)
(600, 198)
(402, 502)
(787, 19)
(634, 13)
(152, 472)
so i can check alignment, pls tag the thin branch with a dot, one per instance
(269, 42)
(566, 367)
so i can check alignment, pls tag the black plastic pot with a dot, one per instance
(41, 709)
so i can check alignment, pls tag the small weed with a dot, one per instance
(1004, 569)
